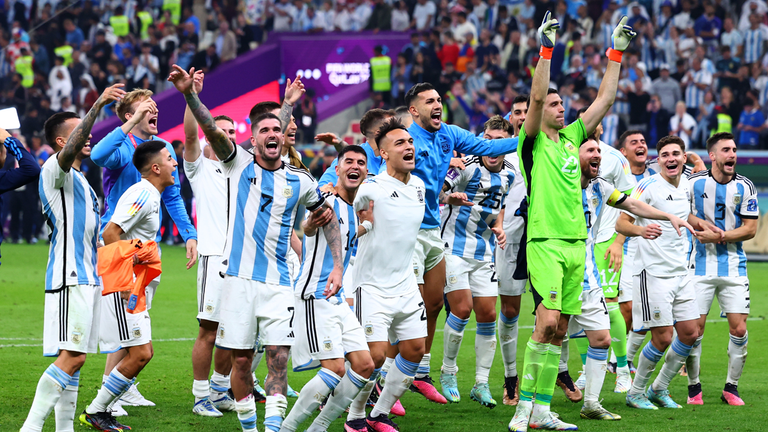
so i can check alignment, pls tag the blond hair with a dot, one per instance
(125, 105)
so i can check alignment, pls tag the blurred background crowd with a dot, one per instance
(696, 67)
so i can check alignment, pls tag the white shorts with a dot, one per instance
(120, 329)
(324, 331)
(209, 287)
(428, 252)
(249, 308)
(391, 318)
(626, 281)
(71, 320)
(662, 301)
(732, 293)
(594, 314)
(506, 263)
(470, 274)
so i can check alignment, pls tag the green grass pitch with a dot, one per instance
(168, 378)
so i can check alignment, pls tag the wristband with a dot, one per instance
(614, 55)
(545, 53)
(367, 225)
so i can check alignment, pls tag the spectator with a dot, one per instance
(732, 38)
(149, 61)
(449, 52)
(322, 161)
(696, 82)
(206, 60)
(186, 55)
(119, 22)
(74, 36)
(400, 19)
(667, 88)
(683, 19)
(284, 14)
(463, 27)
(751, 125)
(361, 15)
(422, 70)
(381, 17)
(485, 49)
(226, 41)
(342, 18)
(102, 50)
(424, 15)
(638, 106)
(190, 18)
(306, 112)
(682, 124)
(88, 94)
(754, 39)
(466, 54)
(401, 79)
(727, 69)
(759, 83)
(708, 26)
(245, 34)
(60, 84)
(658, 120)
(447, 78)
(702, 131)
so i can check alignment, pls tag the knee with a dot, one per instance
(664, 340)
(241, 362)
(461, 310)
(338, 368)
(364, 367)
(740, 330)
(143, 354)
(509, 311)
(603, 341)
(434, 304)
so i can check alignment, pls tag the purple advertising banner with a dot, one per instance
(335, 63)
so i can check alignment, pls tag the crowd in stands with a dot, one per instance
(696, 67)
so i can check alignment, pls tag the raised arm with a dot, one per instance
(184, 83)
(547, 35)
(332, 235)
(28, 169)
(293, 92)
(82, 132)
(191, 140)
(606, 95)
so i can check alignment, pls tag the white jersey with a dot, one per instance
(317, 262)
(596, 198)
(72, 212)
(138, 212)
(384, 260)
(210, 188)
(666, 255)
(466, 230)
(262, 210)
(514, 224)
(725, 206)
(614, 168)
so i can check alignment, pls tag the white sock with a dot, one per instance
(357, 407)
(634, 342)
(424, 366)
(401, 377)
(349, 387)
(508, 342)
(485, 350)
(315, 391)
(565, 354)
(274, 412)
(104, 378)
(675, 359)
(219, 385)
(737, 356)
(693, 362)
(49, 388)
(595, 373)
(649, 357)
(246, 413)
(115, 385)
(67, 405)
(201, 389)
(452, 337)
(384, 369)
(612, 359)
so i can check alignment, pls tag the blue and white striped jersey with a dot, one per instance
(610, 128)
(262, 210)
(594, 198)
(614, 168)
(514, 223)
(466, 231)
(754, 40)
(72, 212)
(694, 96)
(317, 260)
(725, 206)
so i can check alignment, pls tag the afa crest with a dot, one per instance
(369, 330)
(288, 192)
(327, 345)
(737, 198)
(553, 296)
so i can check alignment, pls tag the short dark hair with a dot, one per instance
(223, 117)
(352, 149)
(591, 137)
(54, 125)
(388, 126)
(520, 99)
(549, 92)
(623, 137)
(414, 91)
(145, 152)
(670, 139)
(262, 108)
(716, 138)
(370, 119)
(263, 117)
(581, 111)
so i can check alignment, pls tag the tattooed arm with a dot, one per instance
(332, 235)
(293, 92)
(82, 132)
(184, 83)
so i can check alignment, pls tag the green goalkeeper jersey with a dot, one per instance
(553, 178)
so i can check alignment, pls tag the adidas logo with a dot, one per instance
(528, 377)
(73, 274)
(704, 195)
(219, 171)
(669, 198)
(395, 195)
